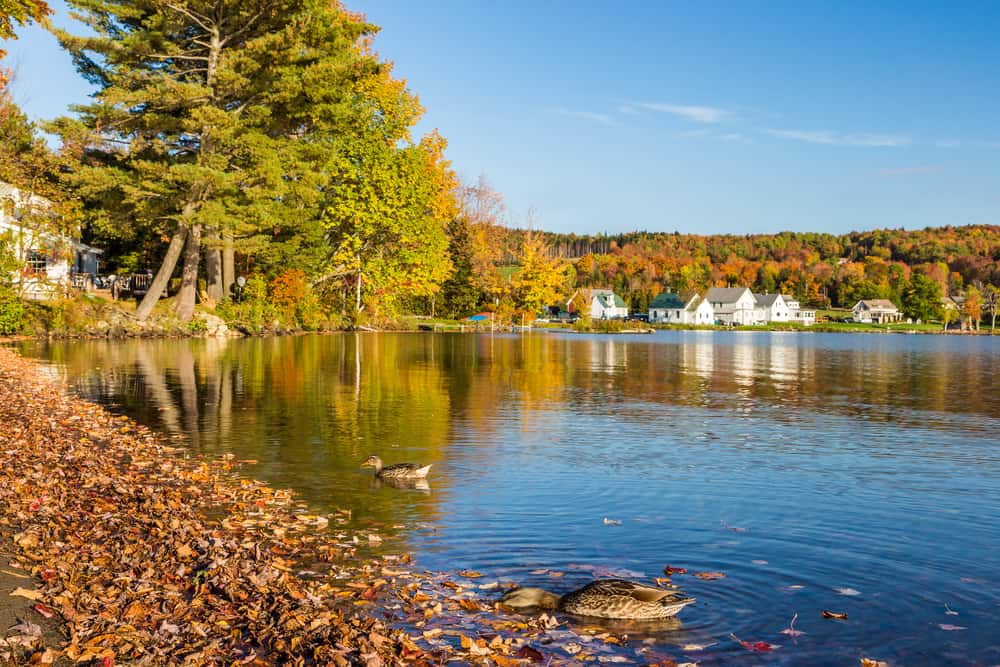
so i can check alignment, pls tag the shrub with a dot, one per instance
(11, 312)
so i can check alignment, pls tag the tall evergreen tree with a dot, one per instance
(204, 120)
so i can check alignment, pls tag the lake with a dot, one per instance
(845, 472)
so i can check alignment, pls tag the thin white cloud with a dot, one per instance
(693, 113)
(592, 116)
(909, 171)
(833, 139)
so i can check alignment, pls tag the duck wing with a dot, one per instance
(618, 598)
(406, 470)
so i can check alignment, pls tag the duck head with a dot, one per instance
(527, 598)
(372, 462)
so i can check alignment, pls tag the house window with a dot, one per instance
(37, 262)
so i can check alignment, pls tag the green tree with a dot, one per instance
(205, 120)
(388, 239)
(923, 298)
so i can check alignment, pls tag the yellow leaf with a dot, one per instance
(31, 594)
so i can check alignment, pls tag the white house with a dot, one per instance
(733, 305)
(49, 260)
(772, 308)
(671, 308)
(804, 317)
(604, 304)
(877, 311)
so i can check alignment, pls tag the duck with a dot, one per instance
(605, 598)
(397, 470)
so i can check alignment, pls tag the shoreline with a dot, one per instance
(113, 528)
(120, 548)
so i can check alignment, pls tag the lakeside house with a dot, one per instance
(672, 308)
(49, 261)
(604, 304)
(876, 311)
(771, 308)
(733, 305)
(803, 317)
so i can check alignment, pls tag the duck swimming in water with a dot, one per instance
(604, 598)
(396, 471)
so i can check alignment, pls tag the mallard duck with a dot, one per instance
(604, 598)
(398, 470)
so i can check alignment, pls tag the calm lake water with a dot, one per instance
(797, 464)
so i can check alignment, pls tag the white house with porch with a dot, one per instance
(49, 262)
(876, 311)
(734, 305)
(672, 308)
(604, 304)
(800, 316)
(772, 308)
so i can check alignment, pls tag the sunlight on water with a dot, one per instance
(853, 473)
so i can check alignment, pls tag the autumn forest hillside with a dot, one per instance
(823, 270)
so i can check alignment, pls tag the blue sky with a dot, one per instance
(701, 117)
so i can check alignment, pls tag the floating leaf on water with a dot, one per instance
(470, 574)
(848, 591)
(951, 628)
(756, 647)
(949, 611)
(611, 522)
(696, 647)
(868, 662)
(834, 614)
(790, 630)
(528, 653)
(670, 570)
(735, 529)
(759, 562)
(708, 576)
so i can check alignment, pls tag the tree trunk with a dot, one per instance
(189, 275)
(163, 275)
(228, 264)
(213, 268)
(357, 302)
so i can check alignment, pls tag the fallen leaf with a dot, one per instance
(528, 653)
(470, 574)
(868, 662)
(950, 627)
(29, 593)
(790, 630)
(611, 522)
(848, 591)
(834, 614)
(708, 576)
(670, 570)
(756, 647)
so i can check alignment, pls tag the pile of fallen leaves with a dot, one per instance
(112, 522)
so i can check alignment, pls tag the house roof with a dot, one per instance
(876, 304)
(694, 302)
(725, 294)
(667, 301)
(788, 298)
(766, 300)
(611, 300)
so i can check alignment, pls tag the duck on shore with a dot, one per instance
(397, 470)
(604, 598)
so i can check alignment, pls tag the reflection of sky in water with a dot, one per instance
(797, 464)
